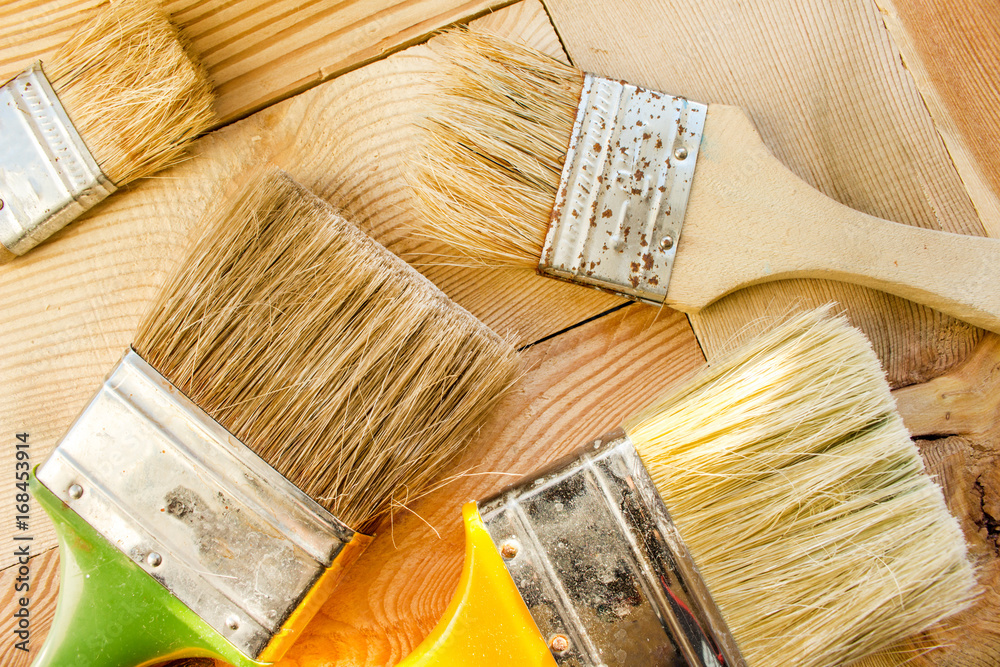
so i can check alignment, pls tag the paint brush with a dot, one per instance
(529, 162)
(771, 511)
(119, 101)
(291, 384)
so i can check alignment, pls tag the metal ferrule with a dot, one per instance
(48, 176)
(200, 512)
(601, 567)
(624, 189)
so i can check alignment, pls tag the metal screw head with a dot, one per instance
(75, 491)
(559, 644)
(508, 550)
(667, 242)
(233, 622)
(1, 204)
(680, 153)
(154, 559)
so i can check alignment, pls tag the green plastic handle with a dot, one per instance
(110, 612)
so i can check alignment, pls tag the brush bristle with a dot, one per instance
(131, 90)
(802, 499)
(331, 358)
(493, 147)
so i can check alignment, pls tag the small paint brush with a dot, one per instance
(292, 383)
(772, 511)
(119, 101)
(529, 162)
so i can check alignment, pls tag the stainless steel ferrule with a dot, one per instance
(624, 189)
(200, 512)
(601, 567)
(48, 176)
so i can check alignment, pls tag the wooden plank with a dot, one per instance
(70, 306)
(43, 580)
(579, 384)
(256, 51)
(950, 49)
(827, 89)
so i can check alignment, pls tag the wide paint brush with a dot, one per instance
(529, 162)
(119, 101)
(292, 383)
(770, 512)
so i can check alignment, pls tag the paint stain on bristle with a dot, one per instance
(802, 499)
(130, 87)
(492, 147)
(331, 358)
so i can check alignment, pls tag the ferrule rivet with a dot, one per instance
(75, 491)
(154, 559)
(666, 243)
(680, 153)
(559, 644)
(233, 622)
(1, 204)
(508, 550)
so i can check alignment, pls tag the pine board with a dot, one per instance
(579, 384)
(256, 51)
(72, 303)
(950, 49)
(826, 87)
(354, 161)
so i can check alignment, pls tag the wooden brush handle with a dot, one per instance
(751, 220)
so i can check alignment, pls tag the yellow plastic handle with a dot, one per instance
(486, 622)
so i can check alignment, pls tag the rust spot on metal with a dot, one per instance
(635, 268)
(653, 280)
(597, 147)
(647, 261)
(559, 644)
(607, 213)
(646, 136)
(508, 550)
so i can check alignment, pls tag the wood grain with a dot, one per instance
(964, 401)
(950, 49)
(826, 87)
(256, 51)
(579, 384)
(72, 303)
(43, 579)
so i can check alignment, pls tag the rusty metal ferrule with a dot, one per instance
(201, 513)
(48, 176)
(624, 189)
(602, 568)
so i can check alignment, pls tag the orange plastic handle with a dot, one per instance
(486, 622)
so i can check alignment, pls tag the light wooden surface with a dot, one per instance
(256, 51)
(78, 297)
(950, 49)
(822, 81)
(826, 87)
